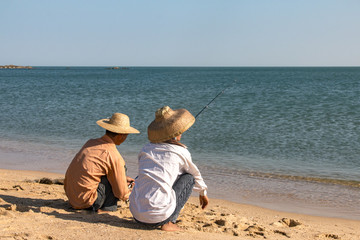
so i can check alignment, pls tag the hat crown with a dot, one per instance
(169, 123)
(162, 113)
(119, 119)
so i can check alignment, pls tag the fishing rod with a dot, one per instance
(207, 105)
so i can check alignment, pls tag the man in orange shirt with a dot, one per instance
(96, 177)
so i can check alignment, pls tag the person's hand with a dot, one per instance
(129, 179)
(130, 182)
(204, 201)
(126, 197)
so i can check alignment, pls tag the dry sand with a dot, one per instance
(33, 210)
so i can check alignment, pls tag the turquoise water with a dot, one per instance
(285, 138)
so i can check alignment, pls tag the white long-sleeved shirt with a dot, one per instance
(153, 200)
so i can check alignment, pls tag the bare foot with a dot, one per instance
(170, 227)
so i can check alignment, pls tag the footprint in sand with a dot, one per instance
(286, 222)
(255, 231)
(282, 233)
(18, 187)
(18, 208)
(328, 236)
(220, 222)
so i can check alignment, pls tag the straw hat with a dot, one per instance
(118, 123)
(169, 123)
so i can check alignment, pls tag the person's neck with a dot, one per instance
(111, 138)
(175, 142)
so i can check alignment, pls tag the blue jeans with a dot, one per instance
(183, 188)
(105, 197)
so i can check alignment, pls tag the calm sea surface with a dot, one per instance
(284, 138)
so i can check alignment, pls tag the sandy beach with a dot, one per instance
(30, 209)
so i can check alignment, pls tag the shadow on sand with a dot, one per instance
(60, 208)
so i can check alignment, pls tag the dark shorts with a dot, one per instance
(105, 197)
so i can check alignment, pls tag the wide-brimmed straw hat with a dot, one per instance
(169, 123)
(118, 123)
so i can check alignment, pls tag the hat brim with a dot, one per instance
(104, 123)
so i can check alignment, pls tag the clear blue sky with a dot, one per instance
(180, 33)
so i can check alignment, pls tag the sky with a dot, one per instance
(180, 33)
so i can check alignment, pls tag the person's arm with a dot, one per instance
(200, 185)
(117, 178)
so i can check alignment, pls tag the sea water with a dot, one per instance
(283, 138)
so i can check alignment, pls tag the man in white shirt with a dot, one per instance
(167, 174)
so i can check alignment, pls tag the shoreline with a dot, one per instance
(316, 199)
(267, 191)
(22, 200)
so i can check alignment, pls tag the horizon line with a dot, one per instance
(180, 66)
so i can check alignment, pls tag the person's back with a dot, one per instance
(153, 196)
(96, 158)
(96, 177)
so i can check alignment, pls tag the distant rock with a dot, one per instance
(15, 67)
(116, 68)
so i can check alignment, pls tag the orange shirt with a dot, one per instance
(97, 158)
